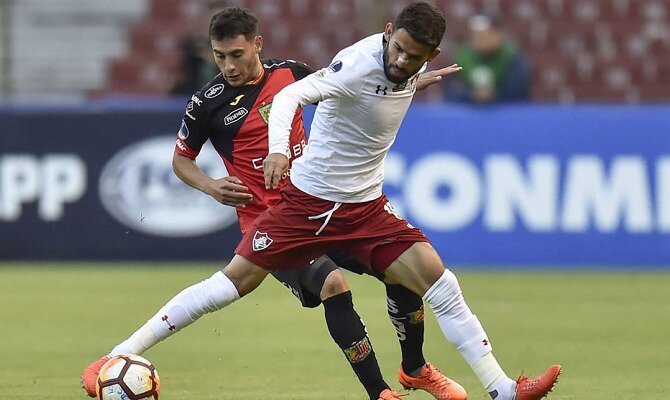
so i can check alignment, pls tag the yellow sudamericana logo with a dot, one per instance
(265, 112)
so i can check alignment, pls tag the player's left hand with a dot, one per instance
(275, 166)
(428, 78)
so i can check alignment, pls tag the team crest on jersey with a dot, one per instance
(183, 131)
(235, 116)
(261, 241)
(265, 112)
(214, 91)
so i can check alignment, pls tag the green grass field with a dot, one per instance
(610, 330)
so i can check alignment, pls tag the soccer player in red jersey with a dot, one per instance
(232, 112)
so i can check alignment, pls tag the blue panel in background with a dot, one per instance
(514, 185)
(537, 185)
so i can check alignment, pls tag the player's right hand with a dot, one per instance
(230, 191)
(275, 166)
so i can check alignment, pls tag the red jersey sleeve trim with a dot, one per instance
(183, 150)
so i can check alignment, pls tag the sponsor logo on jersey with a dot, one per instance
(261, 241)
(183, 131)
(214, 91)
(189, 109)
(235, 116)
(265, 112)
(138, 189)
(381, 90)
(237, 100)
(196, 100)
(358, 351)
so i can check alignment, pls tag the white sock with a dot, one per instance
(185, 308)
(463, 330)
(493, 378)
(505, 390)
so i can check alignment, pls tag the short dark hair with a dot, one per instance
(424, 23)
(231, 22)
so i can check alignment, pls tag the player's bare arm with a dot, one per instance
(431, 77)
(275, 166)
(228, 190)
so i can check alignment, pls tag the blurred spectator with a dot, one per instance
(197, 66)
(494, 69)
(197, 63)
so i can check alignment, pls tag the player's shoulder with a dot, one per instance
(298, 68)
(275, 63)
(361, 57)
(368, 49)
(207, 98)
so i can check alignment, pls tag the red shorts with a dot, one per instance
(301, 228)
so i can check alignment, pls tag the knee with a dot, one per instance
(333, 285)
(445, 294)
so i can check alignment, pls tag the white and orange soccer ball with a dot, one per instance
(128, 377)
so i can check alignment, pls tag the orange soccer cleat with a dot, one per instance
(390, 394)
(90, 376)
(535, 389)
(434, 382)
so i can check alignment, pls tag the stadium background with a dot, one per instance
(512, 196)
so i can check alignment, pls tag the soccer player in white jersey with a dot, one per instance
(335, 199)
(337, 184)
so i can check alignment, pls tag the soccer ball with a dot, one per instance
(128, 377)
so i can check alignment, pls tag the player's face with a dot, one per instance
(404, 56)
(238, 59)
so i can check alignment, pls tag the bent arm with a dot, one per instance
(284, 106)
(228, 190)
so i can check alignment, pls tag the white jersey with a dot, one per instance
(356, 122)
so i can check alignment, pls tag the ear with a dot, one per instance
(258, 43)
(434, 54)
(388, 31)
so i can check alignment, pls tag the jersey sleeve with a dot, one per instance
(299, 69)
(344, 78)
(192, 133)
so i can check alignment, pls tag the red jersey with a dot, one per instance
(235, 120)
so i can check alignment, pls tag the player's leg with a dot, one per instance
(322, 281)
(238, 278)
(420, 269)
(405, 309)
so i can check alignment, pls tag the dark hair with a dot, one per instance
(231, 22)
(424, 23)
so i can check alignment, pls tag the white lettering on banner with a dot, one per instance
(624, 195)
(19, 183)
(534, 197)
(56, 180)
(663, 193)
(64, 182)
(447, 192)
(439, 170)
